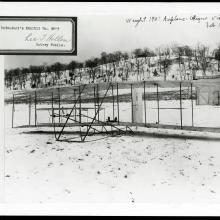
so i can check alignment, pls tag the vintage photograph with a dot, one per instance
(131, 117)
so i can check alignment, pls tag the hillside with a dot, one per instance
(163, 67)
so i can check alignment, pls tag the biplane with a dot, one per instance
(97, 107)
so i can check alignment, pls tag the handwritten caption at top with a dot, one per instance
(208, 21)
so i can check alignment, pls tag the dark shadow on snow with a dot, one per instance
(135, 133)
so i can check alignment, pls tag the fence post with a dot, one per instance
(29, 109)
(145, 121)
(158, 105)
(113, 102)
(74, 94)
(59, 102)
(117, 103)
(94, 94)
(79, 105)
(97, 93)
(181, 113)
(35, 108)
(13, 109)
(52, 109)
(192, 105)
(218, 97)
(132, 115)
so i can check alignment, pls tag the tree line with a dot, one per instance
(187, 57)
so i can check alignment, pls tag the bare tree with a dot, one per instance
(104, 61)
(72, 67)
(35, 75)
(158, 51)
(189, 53)
(203, 58)
(165, 61)
(8, 78)
(57, 68)
(179, 52)
(24, 72)
(92, 64)
(217, 57)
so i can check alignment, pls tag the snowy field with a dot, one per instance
(130, 169)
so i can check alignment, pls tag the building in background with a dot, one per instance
(208, 92)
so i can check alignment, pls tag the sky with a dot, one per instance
(111, 33)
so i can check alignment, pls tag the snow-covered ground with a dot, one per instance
(131, 169)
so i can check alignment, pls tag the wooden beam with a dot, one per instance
(94, 93)
(80, 105)
(59, 102)
(52, 108)
(113, 102)
(97, 93)
(158, 105)
(29, 121)
(145, 121)
(148, 125)
(68, 108)
(218, 97)
(192, 105)
(118, 103)
(13, 110)
(181, 113)
(74, 94)
(132, 113)
(35, 108)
